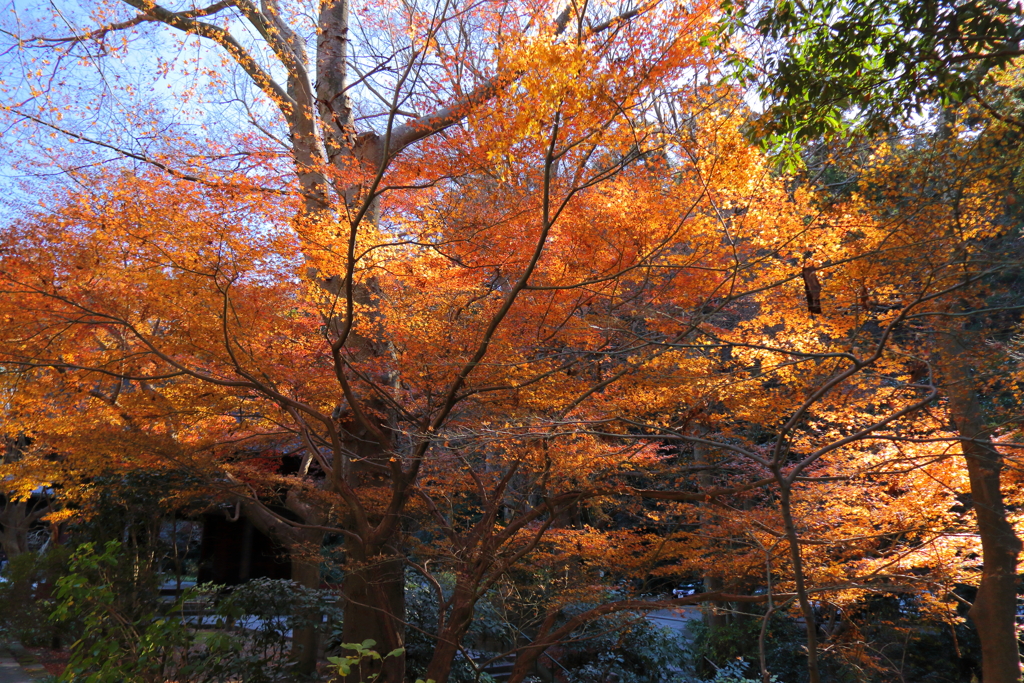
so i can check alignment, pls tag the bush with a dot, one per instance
(737, 671)
(729, 649)
(626, 646)
(25, 600)
(120, 639)
(421, 615)
(255, 619)
(124, 640)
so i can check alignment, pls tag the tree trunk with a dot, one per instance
(374, 590)
(995, 607)
(16, 520)
(14, 541)
(811, 626)
(714, 615)
(306, 640)
(451, 635)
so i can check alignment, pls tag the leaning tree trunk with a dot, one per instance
(799, 579)
(995, 607)
(451, 635)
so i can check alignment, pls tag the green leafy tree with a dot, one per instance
(118, 642)
(870, 65)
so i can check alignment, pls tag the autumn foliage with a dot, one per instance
(516, 289)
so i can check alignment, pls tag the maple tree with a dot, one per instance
(367, 230)
(868, 67)
(475, 266)
(994, 609)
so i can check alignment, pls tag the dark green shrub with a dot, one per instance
(625, 647)
(25, 598)
(421, 611)
(735, 644)
(203, 637)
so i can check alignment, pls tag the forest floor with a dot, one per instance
(11, 669)
(54, 661)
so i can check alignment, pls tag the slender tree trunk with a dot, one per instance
(714, 616)
(306, 640)
(995, 607)
(440, 667)
(785, 503)
(451, 634)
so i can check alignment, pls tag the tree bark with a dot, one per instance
(306, 639)
(16, 520)
(15, 536)
(785, 504)
(995, 607)
(374, 590)
(451, 633)
(715, 616)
